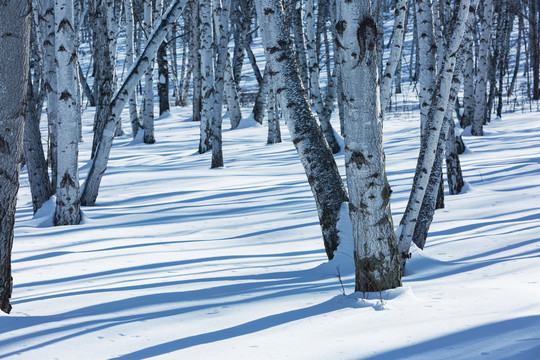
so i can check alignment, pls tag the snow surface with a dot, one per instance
(178, 261)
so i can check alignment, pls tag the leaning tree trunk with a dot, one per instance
(15, 20)
(38, 176)
(316, 157)
(428, 148)
(68, 210)
(99, 165)
(376, 255)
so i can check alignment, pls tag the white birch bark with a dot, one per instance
(232, 95)
(99, 165)
(376, 253)
(480, 90)
(221, 26)
(207, 75)
(15, 20)
(402, 6)
(148, 95)
(68, 210)
(46, 26)
(314, 86)
(319, 165)
(427, 53)
(433, 128)
(274, 131)
(468, 86)
(130, 31)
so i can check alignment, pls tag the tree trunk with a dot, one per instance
(317, 159)
(68, 211)
(130, 31)
(46, 25)
(208, 113)
(148, 111)
(15, 20)
(313, 68)
(38, 175)
(232, 96)
(262, 94)
(274, 131)
(376, 253)
(163, 79)
(103, 69)
(195, 58)
(480, 90)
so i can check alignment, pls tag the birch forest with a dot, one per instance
(382, 118)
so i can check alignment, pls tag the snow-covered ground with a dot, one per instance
(178, 261)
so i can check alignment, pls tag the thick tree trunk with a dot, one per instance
(99, 165)
(317, 159)
(68, 210)
(15, 20)
(376, 253)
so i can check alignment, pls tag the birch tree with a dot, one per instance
(67, 188)
(130, 31)
(46, 29)
(38, 175)
(148, 95)
(207, 73)
(376, 253)
(313, 69)
(319, 165)
(480, 90)
(15, 20)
